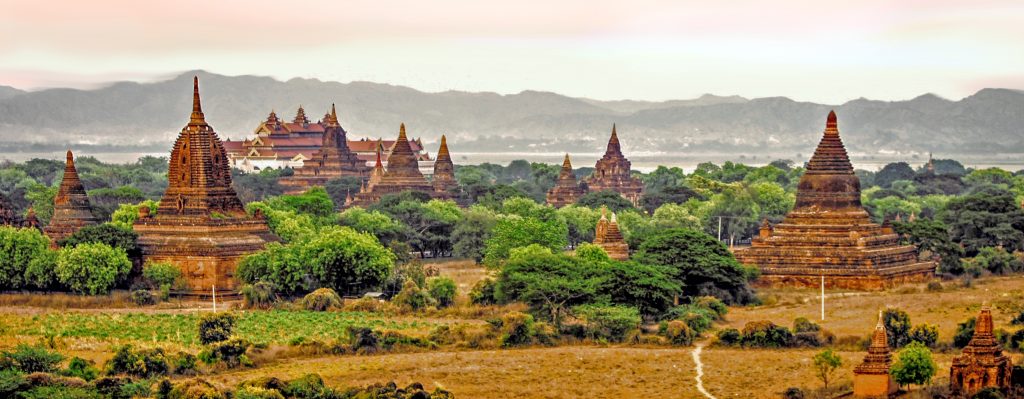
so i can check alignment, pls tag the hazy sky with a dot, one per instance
(813, 50)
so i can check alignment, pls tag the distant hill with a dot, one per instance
(149, 115)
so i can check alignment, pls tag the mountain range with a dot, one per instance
(147, 117)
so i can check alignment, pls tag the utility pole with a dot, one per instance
(214, 287)
(719, 228)
(822, 297)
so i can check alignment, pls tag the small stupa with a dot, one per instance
(71, 209)
(871, 378)
(566, 190)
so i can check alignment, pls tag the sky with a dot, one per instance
(808, 50)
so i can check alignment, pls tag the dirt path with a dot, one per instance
(699, 368)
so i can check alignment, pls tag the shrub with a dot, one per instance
(185, 364)
(997, 261)
(678, 333)
(412, 296)
(143, 297)
(483, 292)
(259, 295)
(608, 322)
(81, 368)
(215, 327)
(927, 334)
(897, 327)
(1018, 320)
(321, 300)
(934, 286)
(714, 304)
(802, 325)
(442, 289)
(31, 359)
(964, 333)
(825, 364)
(194, 389)
(363, 339)
(257, 393)
(231, 353)
(92, 268)
(793, 393)
(730, 336)
(11, 382)
(765, 334)
(698, 318)
(913, 365)
(142, 363)
(516, 329)
(158, 274)
(307, 386)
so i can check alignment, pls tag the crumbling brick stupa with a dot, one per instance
(829, 234)
(200, 224)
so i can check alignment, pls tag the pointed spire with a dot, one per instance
(832, 121)
(566, 164)
(442, 153)
(614, 148)
(300, 116)
(197, 117)
(614, 219)
(401, 133)
(830, 156)
(604, 212)
(983, 328)
(332, 118)
(880, 339)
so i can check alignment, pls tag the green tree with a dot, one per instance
(932, 236)
(549, 283)
(987, 217)
(110, 234)
(92, 268)
(525, 223)
(893, 172)
(443, 290)
(41, 197)
(126, 214)
(375, 222)
(826, 363)
(582, 222)
(259, 186)
(104, 201)
(19, 248)
(607, 198)
(648, 288)
(699, 263)
(897, 327)
(914, 365)
(470, 235)
(314, 202)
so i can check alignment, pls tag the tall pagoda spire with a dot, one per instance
(614, 148)
(830, 157)
(71, 208)
(444, 169)
(197, 117)
(829, 182)
(332, 118)
(442, 152)
(402, 160)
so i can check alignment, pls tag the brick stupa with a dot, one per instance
(612, 173)
(402, 174)
(444, 169)
(566, 190)
(829, 233)
(982, 364)
(333, 160)
(871, 378)
(200, 225)
(609, 237)
(71, 209)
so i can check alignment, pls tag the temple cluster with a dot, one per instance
(611, 173)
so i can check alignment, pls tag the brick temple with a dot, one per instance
(200, 224)
(982, 364)
(332, 160)
(402, 174)
(829, 234)
(609, 237)
(612, 173)
(567, 189)
(444, 169)
(871, 378)
(71, 209)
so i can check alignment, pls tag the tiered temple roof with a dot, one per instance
(402, 174)
(333, 160)
(566, 190)
(609, 237)
(71, 209)
(982, 364)
(829, 233)
(200, 226)
(444, 169)
(612, 172)
(871, 378)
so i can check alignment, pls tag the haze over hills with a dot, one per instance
(148, 116)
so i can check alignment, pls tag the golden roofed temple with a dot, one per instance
(829, 235)
(71, 209)
(567, 189)
(982, 363)
(613, 173)
(200, 225)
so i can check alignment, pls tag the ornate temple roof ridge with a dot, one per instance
(300, 116)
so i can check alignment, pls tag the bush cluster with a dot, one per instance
(610, 323)
(321, 300)
(765, 334)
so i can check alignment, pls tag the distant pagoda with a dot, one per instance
(871, 378)
(609, 237)
(566, 190)
(829, 234)
(444, 169)
(402, 174)
(200, 226)
(71, 209)
(612, 173)
(333, 160)
(982, 364)
(7, 215)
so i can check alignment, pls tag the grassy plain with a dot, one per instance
(560, 372)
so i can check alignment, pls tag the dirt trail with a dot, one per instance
(699, 368)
